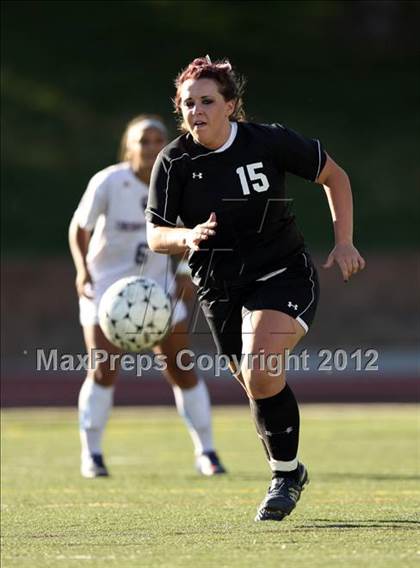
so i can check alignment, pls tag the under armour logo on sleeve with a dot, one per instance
(198, 175)
(294, 306)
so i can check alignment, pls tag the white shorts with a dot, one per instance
(88, 307)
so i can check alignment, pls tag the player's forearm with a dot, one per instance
(78, 242)
(338, 190)
(167, 240)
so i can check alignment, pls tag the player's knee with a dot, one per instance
(185, 380)
(260, 384)
(104, 376)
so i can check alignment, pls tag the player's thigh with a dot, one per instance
(267, 338)
(178, 353)
(270, 330)
(103, 356)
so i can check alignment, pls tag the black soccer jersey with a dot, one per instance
(244, 184)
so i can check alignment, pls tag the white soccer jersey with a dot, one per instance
(113, 207)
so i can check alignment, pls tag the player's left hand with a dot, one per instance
(348, 259)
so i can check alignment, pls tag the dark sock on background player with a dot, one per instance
(277, 422)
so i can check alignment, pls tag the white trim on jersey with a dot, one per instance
(303, 324)
(319, 160)
(167, 185)
(271, 274)
(166, 220)
(299, 316)
(230, 140)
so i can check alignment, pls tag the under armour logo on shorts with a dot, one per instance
(198, 175)
(294, 306)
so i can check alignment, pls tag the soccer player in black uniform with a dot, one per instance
(225, 179)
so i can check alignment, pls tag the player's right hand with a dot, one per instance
(201, 232)
(84, 284)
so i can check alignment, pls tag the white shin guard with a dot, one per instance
(194, 406)
(95, 403)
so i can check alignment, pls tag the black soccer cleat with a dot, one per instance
(282, 496)
(93, 466)
(209, 464)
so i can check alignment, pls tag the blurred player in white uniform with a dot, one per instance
(107, 239)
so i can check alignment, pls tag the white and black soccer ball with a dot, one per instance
(135, 313)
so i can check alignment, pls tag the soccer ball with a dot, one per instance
(135, 313)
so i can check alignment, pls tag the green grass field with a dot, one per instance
(360, 509)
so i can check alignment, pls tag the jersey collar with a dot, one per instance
(230, 140)
(206, 151)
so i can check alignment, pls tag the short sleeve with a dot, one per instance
(164, 191)
(301, 156)
(93, 203)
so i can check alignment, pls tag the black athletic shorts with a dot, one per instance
(293, 290)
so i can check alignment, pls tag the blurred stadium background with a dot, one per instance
(73, 73)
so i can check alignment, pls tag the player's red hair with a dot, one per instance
(231, 85)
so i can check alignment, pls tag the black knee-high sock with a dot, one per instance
(277, 421)
(254, 412)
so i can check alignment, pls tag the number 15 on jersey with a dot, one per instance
(258, 180)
